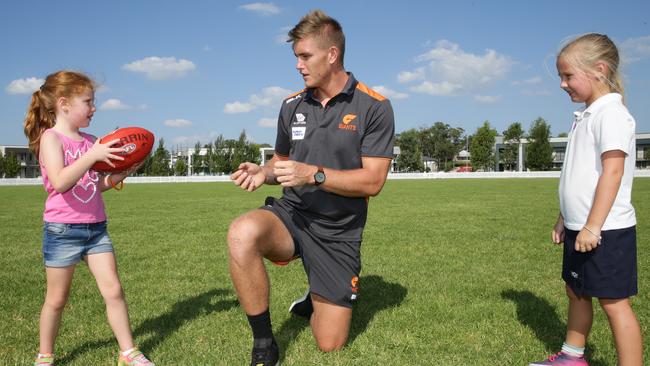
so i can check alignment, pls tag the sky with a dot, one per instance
(190, 71)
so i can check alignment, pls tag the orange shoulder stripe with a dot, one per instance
(361, 86)
(294, 94)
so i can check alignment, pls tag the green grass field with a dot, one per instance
(455, 272)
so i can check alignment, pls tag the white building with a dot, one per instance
(29, 167)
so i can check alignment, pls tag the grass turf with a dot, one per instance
(455, 272)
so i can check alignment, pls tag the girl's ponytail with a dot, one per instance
(37, 120)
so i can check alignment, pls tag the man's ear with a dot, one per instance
(333, 54)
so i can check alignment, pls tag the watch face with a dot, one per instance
(319, 177)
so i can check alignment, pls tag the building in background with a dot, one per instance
(29, 167)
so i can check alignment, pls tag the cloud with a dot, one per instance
(443, 88)
(270, 96)
(160, 68)
(487, 99)
(264, 9)
(282, 37)
(190, 141)
(101, 88)
(267, 122)
(389, 93)
(407, 76)
(451, 71)
(24, 86)
(238, 107)
(114, 105)
(531, 81)
(177, 123)
(635, 49)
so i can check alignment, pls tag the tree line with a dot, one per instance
(222, 156)
(439, 142)
(442, 144)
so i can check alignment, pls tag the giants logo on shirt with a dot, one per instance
(346, 123)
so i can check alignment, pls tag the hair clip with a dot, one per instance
(42, 88)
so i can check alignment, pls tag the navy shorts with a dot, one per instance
(66, 244)
(607, 272)
(332, 267)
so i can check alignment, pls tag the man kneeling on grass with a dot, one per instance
(333, 150)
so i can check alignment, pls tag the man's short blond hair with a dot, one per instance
(325, 29)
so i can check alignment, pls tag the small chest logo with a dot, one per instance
(301, 119)
(346, 123)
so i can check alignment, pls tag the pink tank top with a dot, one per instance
(81, 204)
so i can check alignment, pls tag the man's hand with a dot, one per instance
(248, 176)
(291, 173)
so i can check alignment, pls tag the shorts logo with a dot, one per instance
(354, 284)
(574, 275)
(346, 123)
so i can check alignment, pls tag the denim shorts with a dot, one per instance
(66, 244)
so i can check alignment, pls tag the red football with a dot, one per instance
(136, 144)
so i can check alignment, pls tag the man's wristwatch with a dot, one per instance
(319, 177)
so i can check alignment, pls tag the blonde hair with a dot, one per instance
(585, 51)
(325, 29)
(41, 113)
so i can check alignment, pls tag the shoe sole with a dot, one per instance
(299, 301)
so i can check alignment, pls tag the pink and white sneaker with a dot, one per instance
(561, 359)
(134, 358)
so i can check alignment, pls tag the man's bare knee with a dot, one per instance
(331, 344)
(243, 235)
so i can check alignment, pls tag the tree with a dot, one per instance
(562, 134)
(2, 165)
(539, 155)
(160, 161)
(180, 168)
(243, 151)
(410, 157)
(197, 159)
(441, 142)
(222, 155)
(209, 159)
(145, 168)
(512, 138)
(481, 149)
(11, 166)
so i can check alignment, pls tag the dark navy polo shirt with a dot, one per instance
(358, 122)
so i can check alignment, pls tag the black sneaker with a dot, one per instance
(303, 306)
(265, 355)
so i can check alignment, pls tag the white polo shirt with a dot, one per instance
(605, 126)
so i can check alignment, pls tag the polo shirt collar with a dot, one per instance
(596, 105)
(348, 89)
